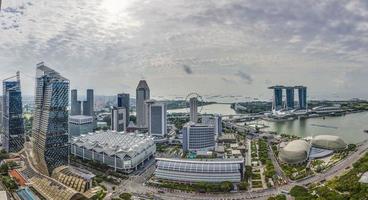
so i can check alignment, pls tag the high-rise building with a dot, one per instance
(157, 119)
(198, 137)
(13, 139)
(75, 105)
(142, 94)
(88, 105)
(50, 124)
(277, 97)
(118, 119)
(302, 94)
(193, 103)
(124, 101)
(290, 97)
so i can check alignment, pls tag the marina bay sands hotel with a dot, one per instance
(277, 103)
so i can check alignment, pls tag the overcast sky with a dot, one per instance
(219, 47)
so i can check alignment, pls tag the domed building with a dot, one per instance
(295, 152)
(331, 142)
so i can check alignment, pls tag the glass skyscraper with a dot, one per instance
(290, 97)
(277, 98)
(50, 124)
(124, 102)
(302, 92)
(13, 139)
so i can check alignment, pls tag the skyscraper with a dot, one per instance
(118, 121)
(142, 94)
(124, 102)
(88, 105)
(75, 107)
(277, 97)
(290, 97)
(50, 124)
(157, 119)
(302, 93)
(13, 139)
(193, 103)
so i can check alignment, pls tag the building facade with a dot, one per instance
(198, 137)
(118, 119)
(80, 124)
(142, 94)
(157, 119)
(302, 96)
(50, 124)
(120, 151)
(124, 102)
(13, 125)
(194, 171)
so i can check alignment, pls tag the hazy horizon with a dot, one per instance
(222, 47)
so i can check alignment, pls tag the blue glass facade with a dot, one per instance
(302, 92)
(50, 126)
(277, 98)
(13, 139)
(290, 98)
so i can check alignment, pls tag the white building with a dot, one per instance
(121, 151)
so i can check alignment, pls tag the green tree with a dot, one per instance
(125, 196)
(226, 186)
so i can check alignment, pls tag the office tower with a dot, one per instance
(124, 101)
(142, 94)
(193, 103)
(88, 105)
(157, 119)
(277, 97)
(198, 137)
(290, 97)
(118, 119)
(80, 124)
(13, 139)
(50, 124)
(75, 107)
(302, 93)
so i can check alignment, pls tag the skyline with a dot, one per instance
(202, 46)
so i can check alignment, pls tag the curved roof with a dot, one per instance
(294, 152)
(328, 142)
(199, 166)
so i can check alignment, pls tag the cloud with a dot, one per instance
(121, 41)
(244, 76)
(187, 69)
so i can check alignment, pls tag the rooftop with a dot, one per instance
(114, 143)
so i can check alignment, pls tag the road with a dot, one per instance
(135, 185)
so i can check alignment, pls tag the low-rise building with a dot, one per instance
(119, 150)
(193, 171)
